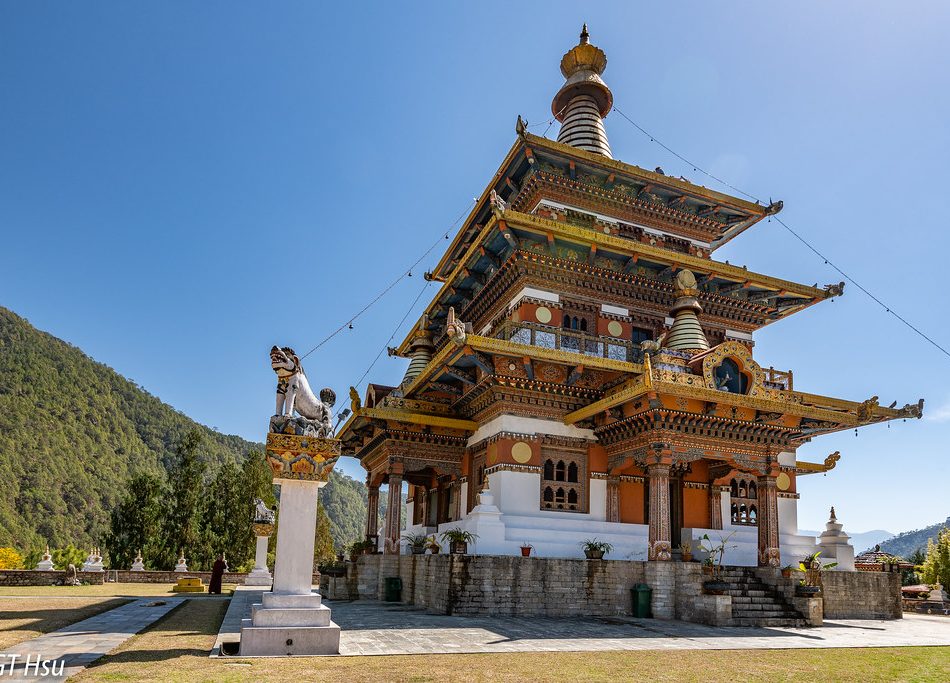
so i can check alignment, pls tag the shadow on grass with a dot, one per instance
(52, 619)
(194, 621)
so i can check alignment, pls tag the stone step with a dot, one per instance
(769, 622)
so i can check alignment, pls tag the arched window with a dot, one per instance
(728, 377)
(735, 512)
(743, 513)
(572, 497)
(567, 322)
(549, 469)
(559, 496)
(734, 489)
(572, 472)
(742, 490)
(752, 490)
(559, 471)
(583, 325)
(752, 514)
(548, 495)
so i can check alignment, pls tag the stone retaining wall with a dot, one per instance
(861, 595)
(495, 585)
(29, 577)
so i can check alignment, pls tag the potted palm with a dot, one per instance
(787, 571)
(812, 566)
(686, 551)
(433, 545)
(595, 549)
(526, 549)
(417, 543)
(458, 540)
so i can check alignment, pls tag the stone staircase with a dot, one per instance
(755, 603)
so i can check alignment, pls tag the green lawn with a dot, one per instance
(134, 590)
(176, 649)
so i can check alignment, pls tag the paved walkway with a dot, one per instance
(379, 628)
(80, 644)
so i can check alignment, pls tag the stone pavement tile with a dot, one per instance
(80, 644)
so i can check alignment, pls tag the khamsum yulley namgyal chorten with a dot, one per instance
(587, 370)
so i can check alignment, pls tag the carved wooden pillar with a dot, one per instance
(715, 506)
(372, 512)
(769, 554)
(613, 499)
(421, 499)
(394, 510)
(660, 547)
(456, 500)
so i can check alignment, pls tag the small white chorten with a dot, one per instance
(46, 564)
(182, 566)
(138, 565)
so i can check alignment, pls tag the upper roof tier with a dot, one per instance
(601, 185)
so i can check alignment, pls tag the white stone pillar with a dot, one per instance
(293, 566)
(260, 575)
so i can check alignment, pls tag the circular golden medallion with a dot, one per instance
(614, 328)
(783, 481)
(543, 314)
(521, 452)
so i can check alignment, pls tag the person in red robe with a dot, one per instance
(217, 573)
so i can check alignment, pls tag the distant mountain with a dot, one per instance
(906, 543)
(71, 432)
(864, 540)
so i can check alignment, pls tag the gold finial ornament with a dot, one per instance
(584, 99)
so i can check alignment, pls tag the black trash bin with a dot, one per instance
(640, 596)
(392, 589)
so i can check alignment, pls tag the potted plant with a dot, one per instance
(417, 543)
(458, 540)
(714, 555)
(686, 551)
(433, 545)
(526, 549)
(355, 550)
(787, 571)
(812, 566)
(595, 550)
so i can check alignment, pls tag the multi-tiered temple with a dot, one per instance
(590, 363)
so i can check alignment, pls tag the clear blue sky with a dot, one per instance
(184, 184)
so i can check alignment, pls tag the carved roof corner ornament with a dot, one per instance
(498, 205)
(912, 410)
(834, 289)
(830, 463)
(865, 411)
(355, 402)
(455, 329)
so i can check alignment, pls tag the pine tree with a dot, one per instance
(936, 568)
(323, 552)
(137, 522)
(181, 530)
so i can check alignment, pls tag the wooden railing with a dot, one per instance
(582, 343)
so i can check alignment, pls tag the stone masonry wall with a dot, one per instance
(861, 595)
(491, 585)
(31, 577)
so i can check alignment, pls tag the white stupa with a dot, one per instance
(46, 564)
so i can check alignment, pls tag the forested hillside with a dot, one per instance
(73, 431)
(906, 543)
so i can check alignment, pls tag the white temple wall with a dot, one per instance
(597, 500)
(516, 493)
(787, 515)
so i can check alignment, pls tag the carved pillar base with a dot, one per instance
(660, 546)
(769, 553)
(613, 499)
(394, 514)
(372, 512)
(715, 506)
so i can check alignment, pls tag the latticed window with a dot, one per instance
(564, 483)
(743, 493)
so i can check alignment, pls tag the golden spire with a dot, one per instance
(686, 334)
(584, 99)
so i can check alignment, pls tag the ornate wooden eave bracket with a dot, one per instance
(802, 467)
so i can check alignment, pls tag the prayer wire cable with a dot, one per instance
(778, 220)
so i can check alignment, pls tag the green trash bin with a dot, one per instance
(392, 588)
(640, 596)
